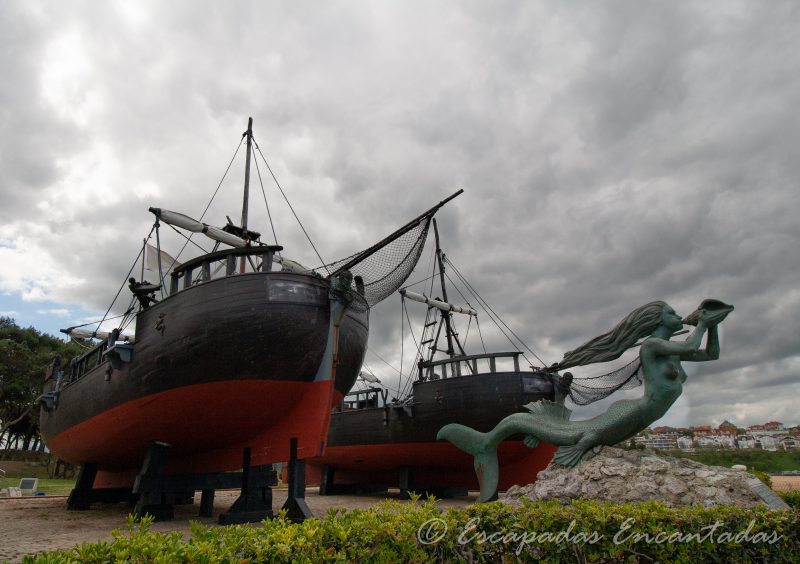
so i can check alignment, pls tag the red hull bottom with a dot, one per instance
(434, 464)
(207, 426)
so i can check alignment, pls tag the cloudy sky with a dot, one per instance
(611, 153)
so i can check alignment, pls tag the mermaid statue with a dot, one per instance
(661, 372)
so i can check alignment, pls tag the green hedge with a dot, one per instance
(792, 498)
(586, 531)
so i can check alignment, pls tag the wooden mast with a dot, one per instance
(249, 134)
(451, 336)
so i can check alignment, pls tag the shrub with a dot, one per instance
(587, 531)
(792, 498)
(763, 476)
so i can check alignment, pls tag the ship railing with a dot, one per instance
(223, 263)
(89, 360)
(468, 364)
(111, 350)
(363, 399)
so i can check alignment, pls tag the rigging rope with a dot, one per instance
(402, 333)
(478, 325)
(278, 184)
(418, 346)
(136, 260)
(466, 335)
(93, 322)
(264, 193)
(419, 281)
(188, 239)
(389, 365)
(488, 308)
(490, 313)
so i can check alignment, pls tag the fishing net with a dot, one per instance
(584, 391)
(383, 268)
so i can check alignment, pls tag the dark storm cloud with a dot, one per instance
(611, 153)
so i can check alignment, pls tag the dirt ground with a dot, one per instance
(36, 524)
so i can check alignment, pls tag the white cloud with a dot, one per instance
(58, 312)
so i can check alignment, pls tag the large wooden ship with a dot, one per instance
(375, 442)
(239, 348)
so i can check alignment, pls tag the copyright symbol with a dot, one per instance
(432, 531)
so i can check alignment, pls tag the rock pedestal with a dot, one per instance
(625, 476)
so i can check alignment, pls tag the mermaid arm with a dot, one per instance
(662, 347)
(711, 351)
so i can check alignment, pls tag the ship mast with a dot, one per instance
(245, 234)
(451, 336)
(249, 134)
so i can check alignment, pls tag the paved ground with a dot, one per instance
(785, 483)
(31, 525)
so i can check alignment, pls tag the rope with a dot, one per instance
(418, 347)
(188, 240)
(419, 281)
(489, 309)
(278, 184)
(478, 325)
(141, 253)
(402, 335)
(213, 195)
(264, 193)
(93, 322)
(223, 176)
(389, 365)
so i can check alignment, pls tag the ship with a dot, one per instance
(376, 442)
(237, 349)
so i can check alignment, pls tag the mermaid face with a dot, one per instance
(670, 319)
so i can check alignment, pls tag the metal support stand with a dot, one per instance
(207, 503)
(80, 498)
(328, 485)
(406, 480)
(159, 493)
(326, 481)
(446, 492)
(153, 497)
(254, 503)
(295, 505)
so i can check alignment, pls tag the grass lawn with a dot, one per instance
(754, 459)
(46, 485)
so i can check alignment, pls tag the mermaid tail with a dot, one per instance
(483, 447)
(543, 422)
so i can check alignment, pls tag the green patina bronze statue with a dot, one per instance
(661, 371)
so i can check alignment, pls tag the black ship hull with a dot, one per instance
(232, 362)
(386, 445)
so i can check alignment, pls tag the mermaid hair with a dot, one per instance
(640, 322)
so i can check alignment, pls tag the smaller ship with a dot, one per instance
(375, 442)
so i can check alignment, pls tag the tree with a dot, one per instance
(24, 356)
